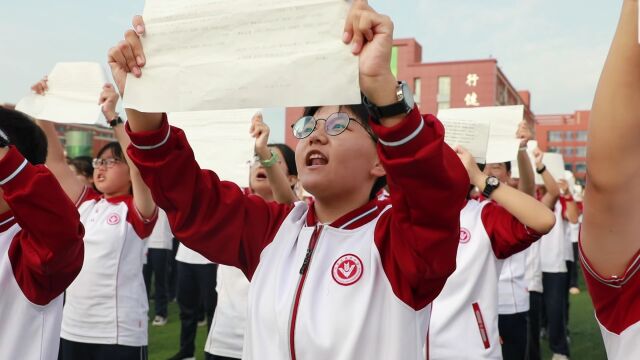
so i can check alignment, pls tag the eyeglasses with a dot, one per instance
(110, 162)
(334, 125)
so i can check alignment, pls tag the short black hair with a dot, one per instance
(289, 157)
(25, 135)
(83, 165)
(362, 115)
(507, 165)
(116, 150)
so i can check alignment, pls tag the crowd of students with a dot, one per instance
(407, 248)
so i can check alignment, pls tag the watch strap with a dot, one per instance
(116, 121)
(489, 189)
(397, 108)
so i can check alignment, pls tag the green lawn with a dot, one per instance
(164, 341)
(586, 343)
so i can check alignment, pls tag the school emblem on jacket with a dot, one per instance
(465, 235)
(113, 219)
(347, 270)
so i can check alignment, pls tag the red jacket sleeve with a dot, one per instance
(210, 216)
(418, 238)
(508, 235)
(47, 254)
(143, 227)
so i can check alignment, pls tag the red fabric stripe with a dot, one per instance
(303, 276)
(481, 325)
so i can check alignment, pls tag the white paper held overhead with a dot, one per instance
(503, 121)
(72, 98)
(234, 54)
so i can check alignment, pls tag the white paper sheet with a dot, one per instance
(220, 141)
(72, 98)
(234, 54)
(504, 120)
(473, 136)
(553, 161)
(555, 164)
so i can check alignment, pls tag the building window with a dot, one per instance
(581, 135)
(581, 167)
(581, 151)
(417, 90)
(568, 151)
(568, 166)
(444, 92)
(569, 135)
(553, 149)
(554, 136)
(502, 94)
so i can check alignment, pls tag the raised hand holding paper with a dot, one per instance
(553, 161)
(473, 136)
(504, 121)
(72, 97)
(209, 55)
(220, 140)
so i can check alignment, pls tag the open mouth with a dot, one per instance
(101, 177)
(316, 158)
(261, 175)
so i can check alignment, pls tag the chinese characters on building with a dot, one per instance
(471, 98)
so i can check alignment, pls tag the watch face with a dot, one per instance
(408, 95)
(493, 181)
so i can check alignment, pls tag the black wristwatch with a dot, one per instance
(116, 121)
(490, 185)
(4, 139)
(541, 171)
(403, 106)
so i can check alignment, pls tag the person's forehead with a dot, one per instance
(496, 165)
(325, 111)
(106, 154)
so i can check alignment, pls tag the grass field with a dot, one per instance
(586, 343)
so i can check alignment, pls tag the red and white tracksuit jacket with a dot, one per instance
(41, 252)
(467, 307)
(358, 288)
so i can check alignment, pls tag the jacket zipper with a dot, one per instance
(303, 276)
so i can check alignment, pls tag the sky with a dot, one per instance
(553, 48)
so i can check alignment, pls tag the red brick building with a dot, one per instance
(566, 134)
(84, 140)
(443, 85)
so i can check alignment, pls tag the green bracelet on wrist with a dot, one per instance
(269, 163)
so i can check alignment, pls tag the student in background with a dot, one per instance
(105, 313)
(506, 222)
(83, 168)
(513, 295)
(273, 176)
(159, 247)
(553, 265)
